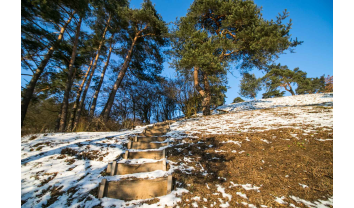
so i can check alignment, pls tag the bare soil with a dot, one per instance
(292, 157)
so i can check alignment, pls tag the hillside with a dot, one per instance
(265, 153)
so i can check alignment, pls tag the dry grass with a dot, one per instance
(83, 155)
(277, 167)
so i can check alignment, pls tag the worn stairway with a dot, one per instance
(141, 146)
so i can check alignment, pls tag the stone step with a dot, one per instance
(135, 189)
(156, 131)
(149, 139)
(158, 128)
(127, 168)
(162, 124)
(161, 127)
(151, 134)
(156, 155)
(145, 145)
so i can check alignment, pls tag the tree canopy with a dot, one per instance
(96, 65)
(216, 34)
(250, 86)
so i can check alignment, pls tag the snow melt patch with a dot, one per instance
(222, 191)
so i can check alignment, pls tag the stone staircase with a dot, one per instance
(141, 146)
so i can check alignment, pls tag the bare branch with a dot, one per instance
(26, 75)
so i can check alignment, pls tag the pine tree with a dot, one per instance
(282, 76)
(145, 35)
(38, 42)
(216, 33)
(238, 100)
(311, 85)
(82, 9)
(250, 86)
(272, 93)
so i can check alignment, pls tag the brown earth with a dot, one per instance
(277, 167)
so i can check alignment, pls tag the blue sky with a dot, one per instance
(312, 23)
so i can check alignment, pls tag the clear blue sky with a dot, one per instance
(312, 23)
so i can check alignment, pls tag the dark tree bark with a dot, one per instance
(28, 92)
(204, 93)
(207, 98)
(107, 109)
(65, 104)
(290, 89)
(95, 97)
(82, 101)
(77, 100)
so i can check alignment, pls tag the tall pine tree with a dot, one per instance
(216, 33)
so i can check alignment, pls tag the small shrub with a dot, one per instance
(238, 100)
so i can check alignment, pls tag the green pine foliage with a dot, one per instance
(238, 100)
(215, 34)
(273, 93)
(282, 76)
(215, 37)
(250, 86)
(311, 85)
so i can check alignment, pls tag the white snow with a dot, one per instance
(41, 158)
(242, 195)
(318, 204)
(222, 191)
(280, 200)
(297, 100)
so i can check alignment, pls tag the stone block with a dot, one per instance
(113, 169)
(126, 168)
(151, 134)
(138, 188)
(102, 188)
(146, 145)
(150, 139)
(156, 155)
(109, 168)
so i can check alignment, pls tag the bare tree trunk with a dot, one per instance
(95, 97)
(290, 88)
(204, 93)
(57, 122)
(64, 109)
(207, 98)
(82, 101)
(107, 109)
(28, 92)
(78, 94)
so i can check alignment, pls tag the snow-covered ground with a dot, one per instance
(44, 169)
(296, 100)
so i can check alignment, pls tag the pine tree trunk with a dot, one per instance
(28, 92)
(204, 93)
(95, 97)
(82, 101)
(107, 109)
(57, 122)
(290, 89)
(64, 109)
(207, 98)
(78, 94)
